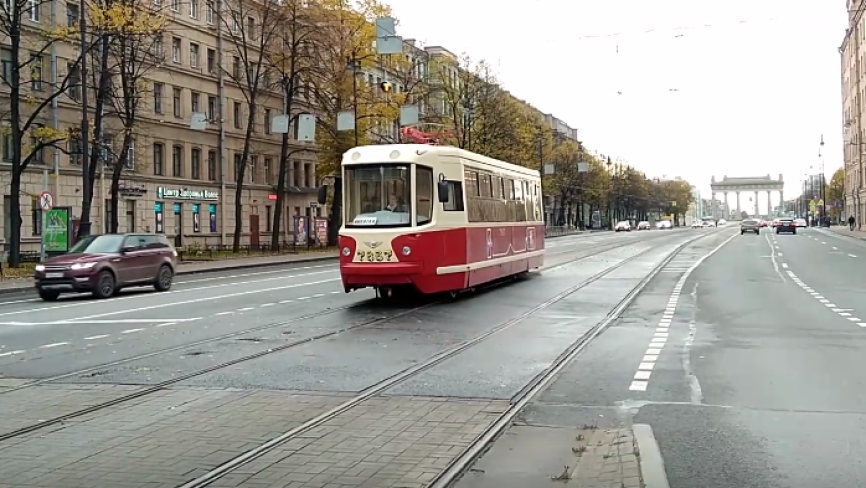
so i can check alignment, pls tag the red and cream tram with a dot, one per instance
(436, 218)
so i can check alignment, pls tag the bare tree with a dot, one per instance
(253, 27)
(408, 87)
(136, 51)
(28, 94)
(293, 63)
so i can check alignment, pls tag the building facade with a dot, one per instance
(854, 131)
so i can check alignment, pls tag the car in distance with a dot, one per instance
(643, 225)
(800, 223)
(103, 264)
(664, 224)
(623, 226)
(786, 225)
(750, 225)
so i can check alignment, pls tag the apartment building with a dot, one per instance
(854, 127)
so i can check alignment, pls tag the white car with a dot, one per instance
(643, 225)
(722, 222)
(623, 226)
(800, 223)
(664, 224)
(697, 224)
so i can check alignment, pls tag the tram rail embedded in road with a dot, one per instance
(489, 435)
(378, 321)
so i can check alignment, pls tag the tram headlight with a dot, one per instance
(407, 250)
(346, 251)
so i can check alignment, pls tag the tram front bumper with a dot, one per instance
(359, 275)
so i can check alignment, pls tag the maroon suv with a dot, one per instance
(104, 264)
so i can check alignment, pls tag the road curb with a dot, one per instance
(652, 465)
(835, 233)
(31, 288)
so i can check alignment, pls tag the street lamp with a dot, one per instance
(822, 191)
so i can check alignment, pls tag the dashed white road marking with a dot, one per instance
(835, 248)
(852, 256)
(784, 265)
(842, 312)
(162, 324)
(640, 381)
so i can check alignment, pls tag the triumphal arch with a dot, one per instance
(746, 185)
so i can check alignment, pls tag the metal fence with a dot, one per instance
(211, 253)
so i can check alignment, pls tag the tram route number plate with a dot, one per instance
(375, 256)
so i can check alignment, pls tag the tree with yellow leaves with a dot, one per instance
(135, 50)
(28, 42)
(834, 194)
(405, 85)
(483, 117)
(293, 62)
(345, 50)
(254, 27)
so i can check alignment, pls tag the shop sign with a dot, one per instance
(164, 193)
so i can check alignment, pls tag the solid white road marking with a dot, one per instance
(851, 255)
(11, 353)
(56, 344)
(224, 313)
(784, 265)
(166, 324)
(131, 331)
(93, 338)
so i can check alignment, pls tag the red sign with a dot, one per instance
(272, 196)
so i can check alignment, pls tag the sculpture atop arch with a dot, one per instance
(738, 185)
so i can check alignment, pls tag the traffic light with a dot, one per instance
(386, 87)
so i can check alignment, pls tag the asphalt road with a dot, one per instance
(759, 376)
(142, 339)
(40, 339)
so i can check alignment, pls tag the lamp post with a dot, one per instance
(354, 64)
(822, 191)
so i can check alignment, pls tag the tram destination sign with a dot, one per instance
(186, 194)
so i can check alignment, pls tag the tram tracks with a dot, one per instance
(373, 322)
(465, 459)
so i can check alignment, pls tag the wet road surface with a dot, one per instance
(315, 349)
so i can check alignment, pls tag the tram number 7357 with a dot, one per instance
(375, 256)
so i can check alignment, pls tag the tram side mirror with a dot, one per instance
(443, 188)
(323, 195)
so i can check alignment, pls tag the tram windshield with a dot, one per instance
(381, 195)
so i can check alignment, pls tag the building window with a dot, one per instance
(195, 161)
(195, 101)
(36, 216)
(177, 161)
(36, 72)
(176, 99)
(251, 28)
(211, 165)
(6, 65)
(193, 55)
(238, 165)
(158, 159)
(6, 142)
(73, 84)
(208, 12)
(266, 172)
(211, 61)
(158, 48)
(267, 121)
(212, 107)
(34, 9)
(130, 216)
(193, 9)
(238, 114)
(236, 68)
(37, 149)
(175, 49)
(158, 89)
(75, 150)
(268, 218)
(254, 168)
(175, 5)
(71, 15)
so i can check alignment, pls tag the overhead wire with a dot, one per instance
(657, 30)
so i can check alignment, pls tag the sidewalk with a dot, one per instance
(195, 267)
(843, 230)
(534, 456)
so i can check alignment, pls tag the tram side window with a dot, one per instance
(508, 185)
(471, 178)
(497, 187)
(423, 195)
(455, 197)
(485, 186)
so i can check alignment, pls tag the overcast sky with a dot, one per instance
(757, 81)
